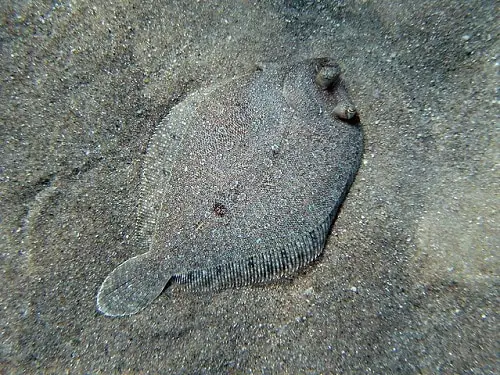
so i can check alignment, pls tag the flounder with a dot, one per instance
(241, 183)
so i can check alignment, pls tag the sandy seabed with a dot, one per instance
(408, 282)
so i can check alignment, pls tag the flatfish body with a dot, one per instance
(241, 183)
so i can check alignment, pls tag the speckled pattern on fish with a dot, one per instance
(241, 183)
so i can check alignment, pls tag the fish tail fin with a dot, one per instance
(132, 286)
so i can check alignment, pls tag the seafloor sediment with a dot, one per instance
(408, 280)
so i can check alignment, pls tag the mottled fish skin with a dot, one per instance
(241, 184)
